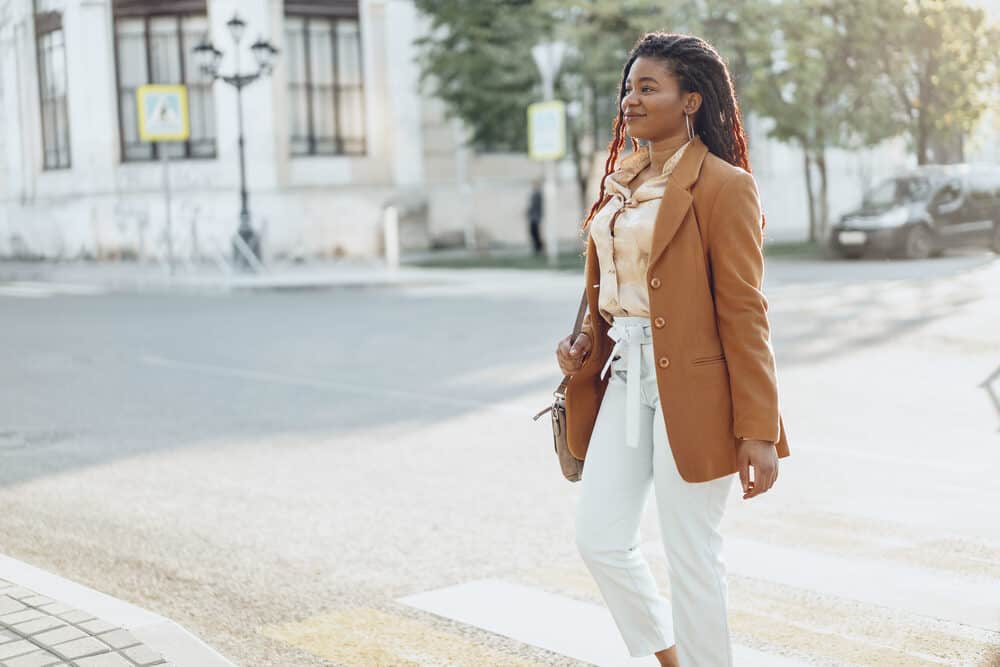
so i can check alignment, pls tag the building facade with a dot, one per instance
(78, 182)
(337, 133)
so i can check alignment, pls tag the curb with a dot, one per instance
(175, 643)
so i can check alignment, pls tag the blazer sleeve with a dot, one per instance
(735, 247)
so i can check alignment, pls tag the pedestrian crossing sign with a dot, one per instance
(162, 113)
(547, 130)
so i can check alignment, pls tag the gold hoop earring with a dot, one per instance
(687, 121)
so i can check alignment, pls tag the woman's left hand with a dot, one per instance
(763, 456)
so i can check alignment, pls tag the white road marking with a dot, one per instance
(26, 289)
(968, 600)
(346, 387)
(892, 458)
(569, 627)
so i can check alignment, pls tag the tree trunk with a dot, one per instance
(582, 174)
(922, 137)
(807, 166)
(824, 199)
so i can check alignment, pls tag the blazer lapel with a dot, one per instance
(677, 198)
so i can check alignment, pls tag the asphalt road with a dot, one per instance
(275, 470)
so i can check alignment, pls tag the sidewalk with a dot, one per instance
(134, 276)
(39, 278)
(46, 620)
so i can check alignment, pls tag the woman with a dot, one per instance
(673, 382)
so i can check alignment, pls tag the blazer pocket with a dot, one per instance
(713, 359)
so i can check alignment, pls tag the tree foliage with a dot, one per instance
(827, 73)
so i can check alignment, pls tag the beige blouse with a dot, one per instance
(623, 234)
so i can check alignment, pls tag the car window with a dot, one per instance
(948, 193)
(895, 191)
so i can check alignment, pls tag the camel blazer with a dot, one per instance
(711, 339)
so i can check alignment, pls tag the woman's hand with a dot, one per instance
(571, 354)
(763, 456)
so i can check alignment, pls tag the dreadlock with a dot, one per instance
(698, 67)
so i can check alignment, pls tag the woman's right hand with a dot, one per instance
(571, 355)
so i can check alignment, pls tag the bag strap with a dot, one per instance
(561, 389)
(579, 315)
(583, 302)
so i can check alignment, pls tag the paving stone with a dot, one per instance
(8, 636)
(4, 582)
(119, 638)
(75, 616)
(36, 659)
(55, 608)
(19, 592)
(106, 660)
(36, 600)
(10, 649)
(58, 635)
(97, 626)
(20, 616)
(80, 648)
(142, 655)
(37, 625)
(9, 605)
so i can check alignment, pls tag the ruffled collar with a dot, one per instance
(633, 163)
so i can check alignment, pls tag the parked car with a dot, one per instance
(921, 212)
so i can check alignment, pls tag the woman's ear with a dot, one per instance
(692, 102)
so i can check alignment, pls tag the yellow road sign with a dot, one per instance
(162, 113)
(547, 130)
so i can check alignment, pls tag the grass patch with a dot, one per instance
(568, 261)
(793, 249)
(574, 261)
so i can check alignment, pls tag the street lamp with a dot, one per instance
(246, 242)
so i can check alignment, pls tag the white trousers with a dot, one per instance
(614, 489)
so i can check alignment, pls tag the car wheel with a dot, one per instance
(918, 243)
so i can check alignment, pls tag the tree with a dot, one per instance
(939, 58)
(812, 81)
(477, 60)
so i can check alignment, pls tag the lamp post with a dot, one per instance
(246, 242)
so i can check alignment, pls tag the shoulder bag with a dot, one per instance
(572, 467)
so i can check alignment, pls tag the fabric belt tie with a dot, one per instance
(629, 338)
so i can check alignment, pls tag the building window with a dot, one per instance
(51, 53)
(156, 47)
(325, 88)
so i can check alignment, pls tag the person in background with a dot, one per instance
(535, 209)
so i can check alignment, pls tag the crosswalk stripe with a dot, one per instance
(369, 637)
(899, 586)
(569, 627)
(816, 625)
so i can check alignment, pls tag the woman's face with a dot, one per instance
(654, 104)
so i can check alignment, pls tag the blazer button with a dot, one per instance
(664, 362)
(659, 322)
(654, 283)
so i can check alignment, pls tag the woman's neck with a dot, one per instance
(660, 151)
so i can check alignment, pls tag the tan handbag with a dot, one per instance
(572, 467)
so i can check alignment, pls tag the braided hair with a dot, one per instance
(698, 68)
